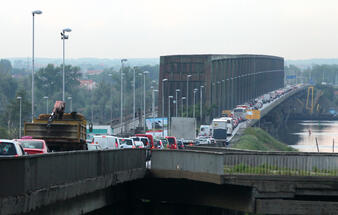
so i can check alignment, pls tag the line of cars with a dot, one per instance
(101, 142)
(24, 146)
(224, 126)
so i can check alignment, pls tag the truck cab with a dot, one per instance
(219, 130)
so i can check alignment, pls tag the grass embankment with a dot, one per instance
(258, 139)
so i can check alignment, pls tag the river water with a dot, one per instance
(302, 135)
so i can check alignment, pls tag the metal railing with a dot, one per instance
(279, 163)
(245, 162)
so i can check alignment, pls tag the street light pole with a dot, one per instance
(163, 81)
(111, 98)
(19, 98)
(33, 13)
(183, 98)
(71, 103)
(46, 97)
(218, 97)
(153, 109)
(195, 91)
(177, 90)
(188, 76)
(64, 37)
(134, 107)
(144, 99)
(140, 76)
(223, 94)
(169, 97)
(201, 98)
(121, 96)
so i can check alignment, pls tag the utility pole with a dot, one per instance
(201, 99)
(188, 76)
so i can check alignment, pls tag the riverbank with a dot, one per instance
(258, 139)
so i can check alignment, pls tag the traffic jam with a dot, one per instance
(220, 130)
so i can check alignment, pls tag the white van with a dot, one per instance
(106, 142)
(126, 143)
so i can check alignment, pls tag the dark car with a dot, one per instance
(180, 144)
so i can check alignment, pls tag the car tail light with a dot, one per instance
(116, 144)
(133, 147)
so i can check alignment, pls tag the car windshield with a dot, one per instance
(7, 148)
(31, 144)
(126, 141)
(144, 141)
(164, 141)
(171, 140)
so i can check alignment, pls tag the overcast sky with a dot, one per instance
(294, 29)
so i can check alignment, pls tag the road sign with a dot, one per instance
(253, 114)
(226, 112)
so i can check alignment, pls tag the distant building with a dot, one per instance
(228, 80)
(88, 84)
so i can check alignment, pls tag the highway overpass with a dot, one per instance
(248, 181)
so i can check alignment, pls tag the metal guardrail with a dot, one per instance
(231, 162)
(279, 163)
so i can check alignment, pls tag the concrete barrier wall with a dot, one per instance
(193, 161)
(28, 173)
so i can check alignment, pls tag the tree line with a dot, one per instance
(99, 105)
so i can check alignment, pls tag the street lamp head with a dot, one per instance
(145, 72)
(45, 97)
(164, 79)
(183, 98)
(19, 97)
(170, 97)
(202, 86)
(178, 90)
(37, 12)
(195, 90)
(66, 30)
(69, 97)
(188, 76)
(123, 60)
(155, 90)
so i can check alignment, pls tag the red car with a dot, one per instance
(33, 146)
(172, 142)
